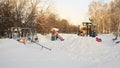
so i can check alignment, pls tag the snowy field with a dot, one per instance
(73, 52)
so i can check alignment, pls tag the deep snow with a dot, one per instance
(73, 52)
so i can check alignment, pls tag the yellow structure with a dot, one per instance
(86, 29)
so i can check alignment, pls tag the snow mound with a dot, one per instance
(89, 51)
(9, 43)
(73, 52)
(43, 38)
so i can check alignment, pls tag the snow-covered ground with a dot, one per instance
(73, 52)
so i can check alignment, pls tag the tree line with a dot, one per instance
(39, 14)
(105, 15)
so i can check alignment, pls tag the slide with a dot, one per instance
(60, 37)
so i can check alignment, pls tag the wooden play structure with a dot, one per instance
(87, 29)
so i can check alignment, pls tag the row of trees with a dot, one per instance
(17, 13)
(37, 14)
(50, 21)
(105, 15)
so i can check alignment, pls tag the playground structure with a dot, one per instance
(87, 29)
(24, 34)
(55, 35)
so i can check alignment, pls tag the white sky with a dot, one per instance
(74, 10)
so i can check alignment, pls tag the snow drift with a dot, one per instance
(73, 52)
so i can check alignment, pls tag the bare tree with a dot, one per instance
(17, 13)
(102, 14)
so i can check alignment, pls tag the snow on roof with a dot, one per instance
(54, 29)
